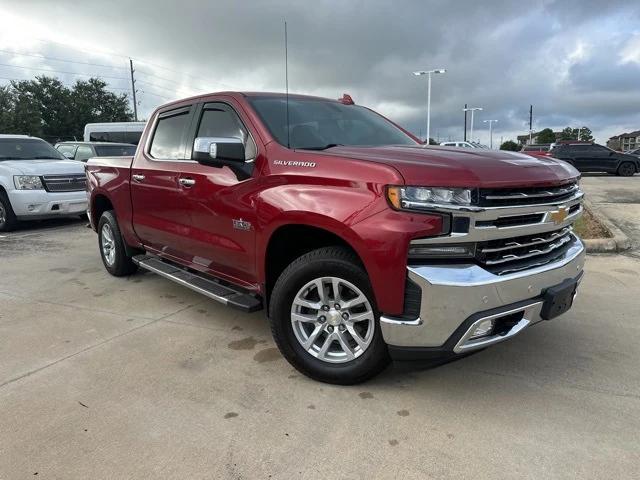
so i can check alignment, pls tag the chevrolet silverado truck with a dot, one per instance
(362, 244)
(38, 182)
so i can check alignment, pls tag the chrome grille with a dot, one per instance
(64, 183)
(518, 253)
(526, 196)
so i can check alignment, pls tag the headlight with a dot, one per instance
(27, 182)
(428, 251)
(413, 198)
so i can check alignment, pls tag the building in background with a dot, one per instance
(625, 141)
(524, 139)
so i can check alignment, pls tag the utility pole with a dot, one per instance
(428, 73)
(490, 122)
(465, 122)
(530, 122)
(472, 110)
(133, 92)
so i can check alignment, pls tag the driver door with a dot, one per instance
(222, 217)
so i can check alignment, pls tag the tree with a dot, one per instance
(44, 107)
(510, 145)
(546, 136)
(583, 134)
(6, 109)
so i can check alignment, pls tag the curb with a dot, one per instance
(619, 241)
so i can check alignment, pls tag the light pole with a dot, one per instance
(490, 122)
(428, 74)
(471, 109)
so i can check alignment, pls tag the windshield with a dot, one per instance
(115, 150)
(27, 149)
(317, 124)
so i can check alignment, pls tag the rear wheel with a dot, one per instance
(626, 169)
(8, 219)
(112, 249)
(324, 318)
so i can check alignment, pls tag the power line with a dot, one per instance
(44, 57)
(61, 71)
(138, 60)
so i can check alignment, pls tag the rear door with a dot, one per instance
(160, 205)
(601, 159)
(222, 231)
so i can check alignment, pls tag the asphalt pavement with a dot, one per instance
(139, 378)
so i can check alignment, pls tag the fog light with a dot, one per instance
(31, 208)
(483, 329)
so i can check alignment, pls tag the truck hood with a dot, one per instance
(457, 167)
(42, 167)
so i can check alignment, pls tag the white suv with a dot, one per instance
(37, 182)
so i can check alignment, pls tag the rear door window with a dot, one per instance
(68, 151)
(169, 135)
(84, 153)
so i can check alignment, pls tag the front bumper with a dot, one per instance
(456, 297)
(35, 204)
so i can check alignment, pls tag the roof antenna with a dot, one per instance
(286, 83)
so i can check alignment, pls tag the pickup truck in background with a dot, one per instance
(37, 182)
(361, 244)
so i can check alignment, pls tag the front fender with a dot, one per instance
(362, 218)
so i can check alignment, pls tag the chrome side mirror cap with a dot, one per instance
(218, 148)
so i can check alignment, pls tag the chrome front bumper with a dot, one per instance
(454, 297)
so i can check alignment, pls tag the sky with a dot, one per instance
(576, 61)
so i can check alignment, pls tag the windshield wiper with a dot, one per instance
(324, 147)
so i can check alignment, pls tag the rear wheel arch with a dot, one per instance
(100, 204)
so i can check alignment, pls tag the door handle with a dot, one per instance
(187, 182)
(137, 178)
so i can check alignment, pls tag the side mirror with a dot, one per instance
(218, 151)
(68, 156)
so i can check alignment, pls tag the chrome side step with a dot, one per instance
(224, 294)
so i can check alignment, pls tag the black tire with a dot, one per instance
(8, 220)
(121, 265)
(324, 262)
(626, 169)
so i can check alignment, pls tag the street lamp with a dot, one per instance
(490, 122)
(428, 74)
(471, 109)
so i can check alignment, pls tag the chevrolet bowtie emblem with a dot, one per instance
(559, 216)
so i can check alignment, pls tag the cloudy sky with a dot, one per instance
(576, 61)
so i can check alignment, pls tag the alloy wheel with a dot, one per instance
(107, 243)
(332, 319)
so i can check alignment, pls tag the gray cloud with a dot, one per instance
(562, 56)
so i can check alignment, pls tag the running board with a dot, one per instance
(224, 294)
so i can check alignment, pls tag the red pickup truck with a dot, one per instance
(362, 244)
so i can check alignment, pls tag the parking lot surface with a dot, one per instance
(140, 378)
(619, 199)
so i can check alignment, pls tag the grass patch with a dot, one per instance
(589, 227)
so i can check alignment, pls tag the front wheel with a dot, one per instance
(112, 249)
(8, 219)
(626, 169)
(324, 318)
